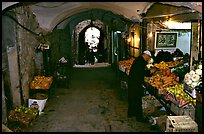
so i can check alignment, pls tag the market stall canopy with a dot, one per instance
(161, 12)
(49, 14)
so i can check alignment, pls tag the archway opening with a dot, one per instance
(92, 36)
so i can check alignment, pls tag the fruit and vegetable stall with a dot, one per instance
(177, 87)
(40, 88)
(22, 116)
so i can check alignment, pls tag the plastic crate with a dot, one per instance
(181, 124)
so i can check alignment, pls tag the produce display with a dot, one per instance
(161, 65)
(167, 82)
(22, 115)
(167, 79)
(172, 82)
(181, 98)
(125, 65)
(180, 71)
(41, 82)
(172, 64)
(193, 79)
(162, 79)
(165, 65)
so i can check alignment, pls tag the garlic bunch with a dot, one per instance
(194, 77)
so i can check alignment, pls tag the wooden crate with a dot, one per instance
(181, 124)
(183, 111)
(150, 101)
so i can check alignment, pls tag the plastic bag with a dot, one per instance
(41, 103)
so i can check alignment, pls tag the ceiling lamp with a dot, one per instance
(176, 25)
(150, 34)
(136, 18)
(129, 39)
(151, 29)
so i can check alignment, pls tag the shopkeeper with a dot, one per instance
(135, 81)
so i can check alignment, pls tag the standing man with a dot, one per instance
(135, 82)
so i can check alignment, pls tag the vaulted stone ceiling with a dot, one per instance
(50, 14)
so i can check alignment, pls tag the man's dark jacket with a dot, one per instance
(137, 72)
(135, 89)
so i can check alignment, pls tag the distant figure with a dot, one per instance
(92, 59)
(95, 59)
(88, 56)
(186, 58)
(105, 55)
(178, 53)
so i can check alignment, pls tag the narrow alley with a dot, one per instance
(92, 103)
(70, 66)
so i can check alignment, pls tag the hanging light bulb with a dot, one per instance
(166, 23)
(150, 34)
(129, 39)
(151, 27)
(169, 23)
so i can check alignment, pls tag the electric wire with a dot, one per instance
(8, 15)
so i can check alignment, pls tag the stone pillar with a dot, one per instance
(194, 43)
(4, 108)
(143, 45)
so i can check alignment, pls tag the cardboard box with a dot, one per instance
(181, 124)
(161, 122)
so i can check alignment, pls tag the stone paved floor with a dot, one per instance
(92, 103)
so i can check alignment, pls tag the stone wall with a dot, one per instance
(4, 111)
(27, 42)
(60, 46)
(18, 49)
(8, 37)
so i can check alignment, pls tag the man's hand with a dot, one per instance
(152, 70)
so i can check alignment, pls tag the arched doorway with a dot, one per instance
(92, 35)
(91, 40)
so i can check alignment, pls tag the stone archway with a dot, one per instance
(79, 32)
(82, 45)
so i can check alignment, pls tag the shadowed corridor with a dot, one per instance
(92, 103)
